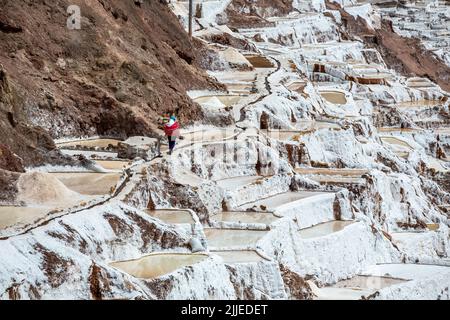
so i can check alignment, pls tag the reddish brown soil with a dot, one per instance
(8, 186)
(9, 161)
(406, 55)
(251, 13)
(130, 63)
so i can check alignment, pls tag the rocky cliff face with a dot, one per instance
(128, 64)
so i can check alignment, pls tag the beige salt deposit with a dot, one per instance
(44, 189)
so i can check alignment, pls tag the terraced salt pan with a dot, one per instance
(219, 101)
(330, 293)
(401, 130)
(172, 216)
(407, 271)
(233, 183)
(325, 180)
(397, 142)
(212, 135)
(10, 216)
(334, 97)
(334, 176)
(274, 202)
(239, 256)
(418, 104)
(356, 288)
(333, 171)
(234, 76)
(113, 165)
(246, 217)
(324, 229)
(241, 88)
(229, 238)
(304, 127)
(89, 183)
(297, 86)
(316, 125)
(158, 264)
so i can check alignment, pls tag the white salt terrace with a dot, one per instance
(172, 216)
(239, 256)
(304, 127)
(208, 135)
(156, 265)
(274, 202)
(334, 176)
(407, 271)
(218, 101)
(336, 180)
(233, 183)
(442, 131)
(235, 76)
(233, 238)
(240, 88)
(245, 217)
(93, 184)
(324, 229)
(400, 147)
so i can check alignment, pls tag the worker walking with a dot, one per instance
(172, 131)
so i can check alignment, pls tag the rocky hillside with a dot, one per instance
(129, 63)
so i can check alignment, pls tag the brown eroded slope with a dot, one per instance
(130, 62)
(251, 13)
(407, 56)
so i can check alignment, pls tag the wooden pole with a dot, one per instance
(191, 14)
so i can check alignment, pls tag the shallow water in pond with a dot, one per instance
(10, 215)
(156, 265)
(113, 165)
(418, 104)
(172, 216)
(334, 97)
(324, 229)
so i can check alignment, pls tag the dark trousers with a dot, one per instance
(172, 142)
